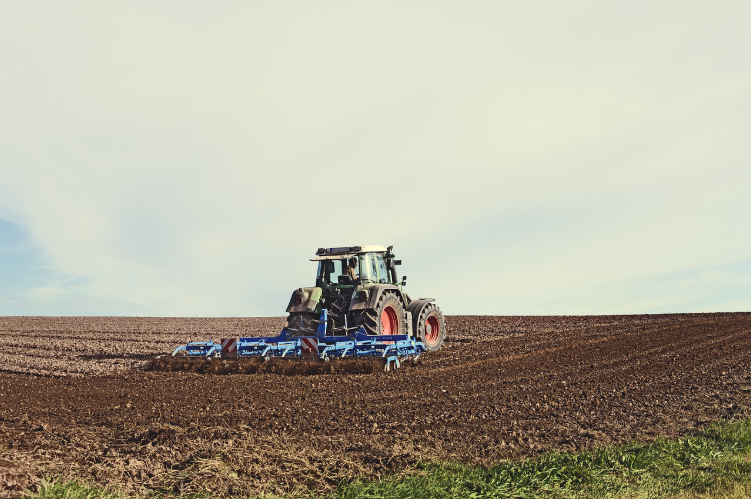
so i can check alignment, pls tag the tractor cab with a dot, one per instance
(372, 265)
(348, 269)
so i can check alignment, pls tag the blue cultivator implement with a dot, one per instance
(392, 348)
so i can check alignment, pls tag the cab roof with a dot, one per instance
(346, 252)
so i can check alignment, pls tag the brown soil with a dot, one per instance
(502, 387)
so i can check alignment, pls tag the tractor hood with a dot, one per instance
(304, 300)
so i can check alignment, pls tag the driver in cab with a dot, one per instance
(352, 268)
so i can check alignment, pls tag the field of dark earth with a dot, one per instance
(77, 402)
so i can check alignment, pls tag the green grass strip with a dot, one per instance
(713, 464)
(73, 490)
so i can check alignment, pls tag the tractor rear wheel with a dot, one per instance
(430, 327)
(387, 318)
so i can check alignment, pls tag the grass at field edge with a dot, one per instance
(715, 463)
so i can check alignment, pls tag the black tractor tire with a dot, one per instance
(302, 323)
(387, 318)
(430, 327)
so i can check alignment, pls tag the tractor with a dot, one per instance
(359, 287)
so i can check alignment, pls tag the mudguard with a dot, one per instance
(374, 294)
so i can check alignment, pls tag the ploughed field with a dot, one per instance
(77, 402)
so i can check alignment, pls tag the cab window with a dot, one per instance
(383, 275)
(373, 268)
(367, 268)
(328, 272)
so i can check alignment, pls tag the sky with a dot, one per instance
(523, 158)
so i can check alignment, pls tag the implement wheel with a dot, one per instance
(431, 328)
(388, 318)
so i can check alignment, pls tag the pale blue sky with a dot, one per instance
(187, 158)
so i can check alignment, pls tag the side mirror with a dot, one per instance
(404, 280)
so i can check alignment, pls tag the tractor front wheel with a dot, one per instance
(431, 327)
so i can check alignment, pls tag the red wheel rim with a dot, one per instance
(432, 329)
(389, 321)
